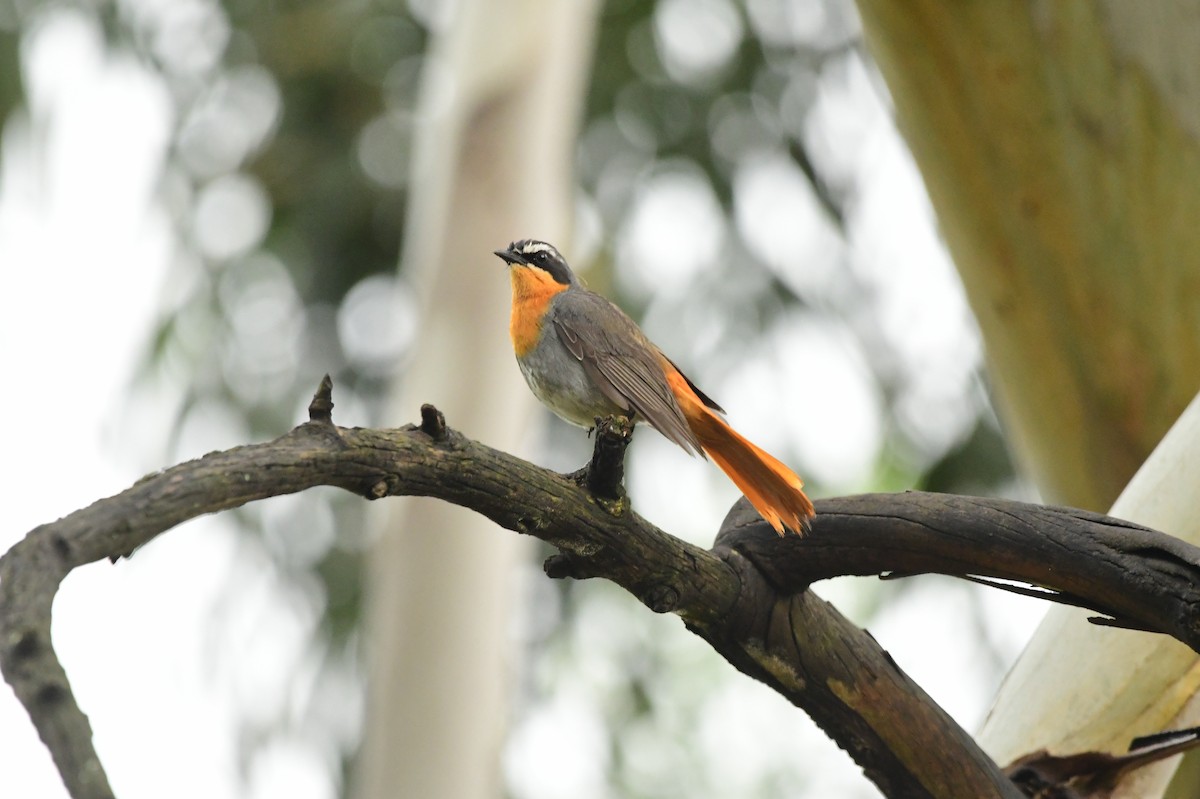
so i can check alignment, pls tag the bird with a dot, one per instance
(585, 359)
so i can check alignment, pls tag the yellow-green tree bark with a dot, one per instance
(1060, 145)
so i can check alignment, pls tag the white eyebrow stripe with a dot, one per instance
(538, 246)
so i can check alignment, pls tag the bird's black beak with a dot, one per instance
(511, 256)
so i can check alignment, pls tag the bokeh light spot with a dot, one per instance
(675, 229)
(188, 36)
(383, 150)
(696, 38)
(266, 322)
(377, 322)
(783, 225)
(230, 122)
(232, 215)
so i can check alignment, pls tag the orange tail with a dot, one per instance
(773, 489)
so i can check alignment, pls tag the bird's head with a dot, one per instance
(530, 259)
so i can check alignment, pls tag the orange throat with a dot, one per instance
(532, 290)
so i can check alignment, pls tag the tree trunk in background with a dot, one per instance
(503, 93)
(1058, 142)
(1059, 146)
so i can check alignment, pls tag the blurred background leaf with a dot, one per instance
(742, 192)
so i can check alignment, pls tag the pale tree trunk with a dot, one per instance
(1059, 145)
(503, 93)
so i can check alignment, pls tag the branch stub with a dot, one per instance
(321, 407)
(433, 422)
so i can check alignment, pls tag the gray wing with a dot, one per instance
(621, 362)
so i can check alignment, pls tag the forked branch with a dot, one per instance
(745, 597)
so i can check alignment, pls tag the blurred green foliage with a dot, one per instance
(300, 114)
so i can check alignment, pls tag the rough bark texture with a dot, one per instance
(745, 597)
(1136, 577)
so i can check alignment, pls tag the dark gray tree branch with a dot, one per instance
(745, 597)
(1136, 577)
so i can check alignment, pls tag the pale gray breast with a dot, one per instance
(559, 380)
